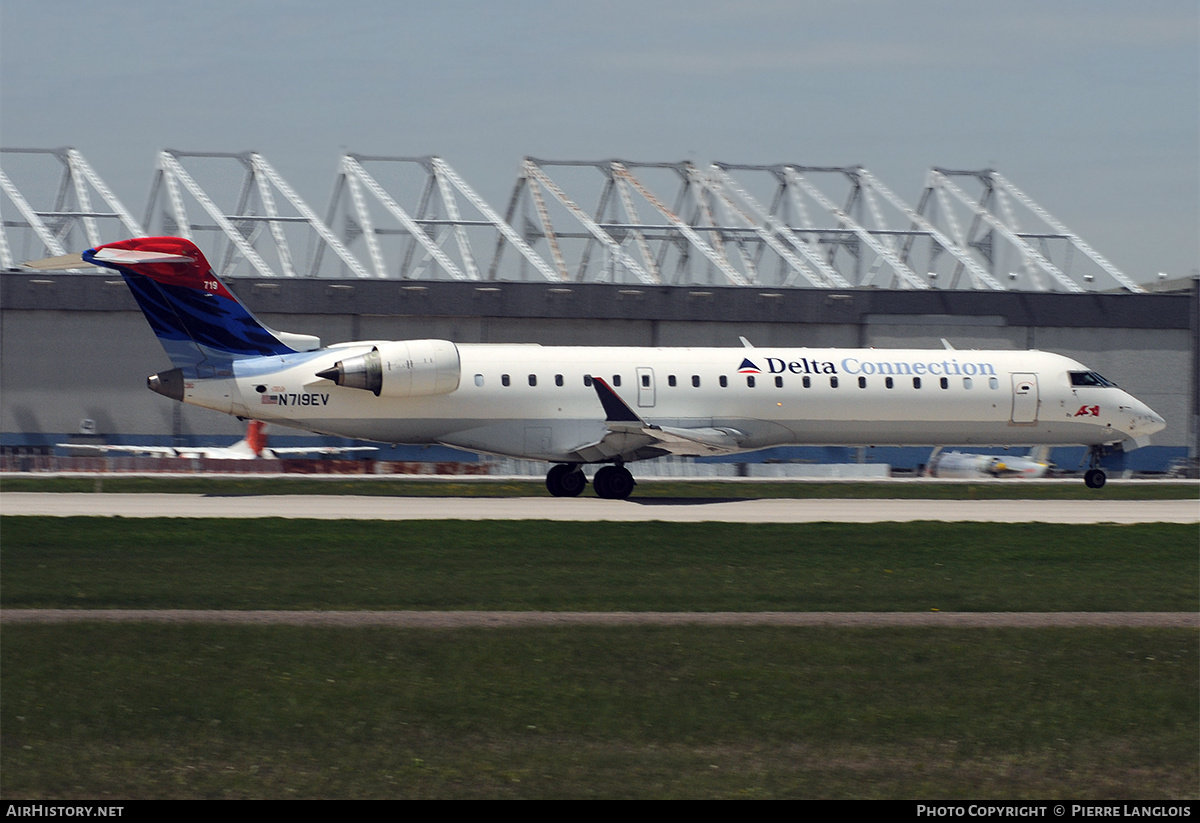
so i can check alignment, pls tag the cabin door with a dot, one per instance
(645, 378)
(1025, 398)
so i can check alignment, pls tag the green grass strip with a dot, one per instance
(102, 711)
(96, 562)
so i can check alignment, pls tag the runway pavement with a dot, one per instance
(678, 510)
(510, 619)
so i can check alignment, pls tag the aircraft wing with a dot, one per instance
(628, 433)
(160, 451)
(321, 449)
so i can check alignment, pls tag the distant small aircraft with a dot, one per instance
(571, 406)
(979, 466)
(250, 447)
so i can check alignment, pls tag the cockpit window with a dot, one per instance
(1090, 378)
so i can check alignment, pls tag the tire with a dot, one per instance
(565, 480)
(573, 482)
(613, 483)
(1094, 479)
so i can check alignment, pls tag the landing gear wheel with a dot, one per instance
(613, 482)
(1094, 478)
(565, 480)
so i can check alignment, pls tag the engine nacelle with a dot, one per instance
(401, 368)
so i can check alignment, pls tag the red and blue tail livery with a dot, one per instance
(199, 322)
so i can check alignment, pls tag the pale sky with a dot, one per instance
(1092, 107)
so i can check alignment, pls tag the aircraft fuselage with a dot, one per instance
(538, 403)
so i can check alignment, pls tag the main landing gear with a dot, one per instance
(566, 480)
(1094, 477)
(611, 482)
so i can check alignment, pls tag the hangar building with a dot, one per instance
(761, 252)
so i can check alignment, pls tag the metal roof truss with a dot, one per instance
(725, 224)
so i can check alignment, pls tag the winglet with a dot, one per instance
(616, 410)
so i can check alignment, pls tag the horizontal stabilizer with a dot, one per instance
(63, 261)
(130, 257)
(124, 257)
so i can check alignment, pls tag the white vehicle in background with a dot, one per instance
(962, 466)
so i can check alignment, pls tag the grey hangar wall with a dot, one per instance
(75, 347)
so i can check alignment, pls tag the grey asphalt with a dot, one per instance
(332, 507)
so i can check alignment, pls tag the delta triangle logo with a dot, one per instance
(748, 367)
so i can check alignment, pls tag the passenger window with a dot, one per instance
(862, 382)
(779, 381)
(750, 381)
(916, 382)
(945, 383)
(993, 383)
(504, 380)
(724, 381)
(479, 380)
(833, 382)
(696, 380)
(587, 380)
(616, 379)
(889, 382)
(646, 381)
(966, 382)
(558, 379)
(533, 379)
(807, 381)
(671, 380)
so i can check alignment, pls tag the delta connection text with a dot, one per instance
(854, 365)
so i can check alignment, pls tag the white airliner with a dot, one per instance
(251, 447)
(960, 466)
(577, 405)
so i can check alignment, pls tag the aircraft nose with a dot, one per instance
(1147, 421)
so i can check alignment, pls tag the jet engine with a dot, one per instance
(402, 368)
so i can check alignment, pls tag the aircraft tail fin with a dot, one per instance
(256, 437)
(1040, 454)
(198, 320)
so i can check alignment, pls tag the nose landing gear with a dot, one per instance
(1094, 477)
